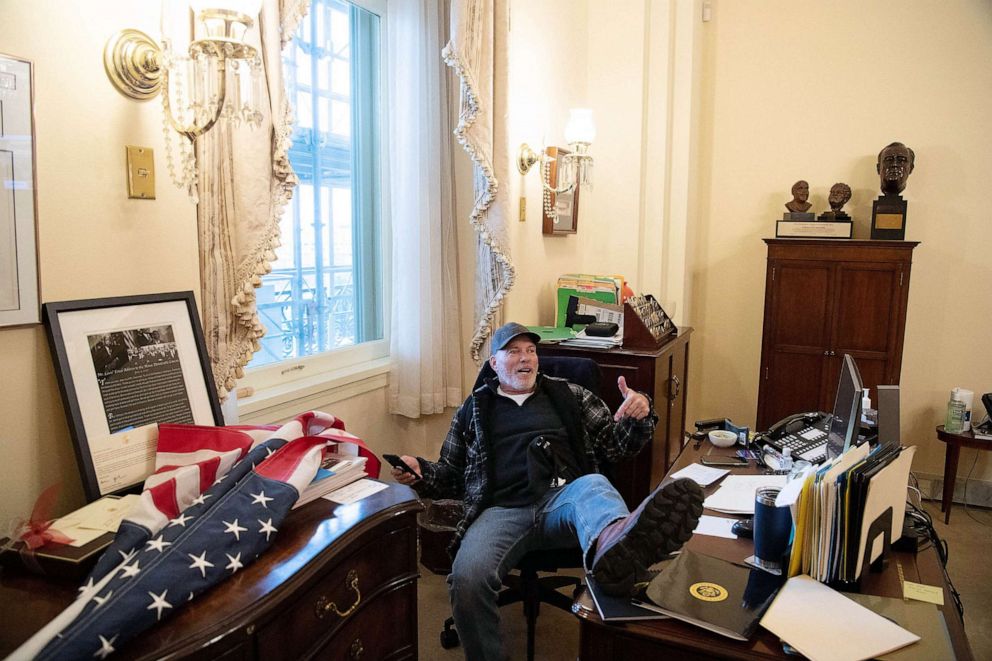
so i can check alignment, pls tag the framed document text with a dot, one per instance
(124, 365)
(18, 242)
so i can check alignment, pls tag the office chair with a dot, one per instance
(526, 585)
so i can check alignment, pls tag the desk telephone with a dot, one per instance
(803, 433)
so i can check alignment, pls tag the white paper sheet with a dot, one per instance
(355, 491)
(736, 494)
(850, 632)
(715, 526)
(89, 522)
(701, 475)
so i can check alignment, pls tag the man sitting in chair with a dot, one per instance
(522, 453)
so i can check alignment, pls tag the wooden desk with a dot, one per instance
(672, 639)
(271, 609)
(954, 443)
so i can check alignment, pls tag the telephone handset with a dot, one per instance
(793, 423)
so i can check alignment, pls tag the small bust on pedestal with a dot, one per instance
(888, 215)
(840, 194)
(799, 206)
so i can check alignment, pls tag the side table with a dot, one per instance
(954, 443)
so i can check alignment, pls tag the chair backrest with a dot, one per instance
(580, 371)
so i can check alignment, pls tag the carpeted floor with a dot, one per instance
(969, 538)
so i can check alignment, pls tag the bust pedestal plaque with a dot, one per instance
(888, 218)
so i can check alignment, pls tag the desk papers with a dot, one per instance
(824, 625)
(715, 526)
(89, 522)
(356, 491)
(701, 475)
(736, 494)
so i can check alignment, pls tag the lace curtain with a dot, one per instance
(426, 372)
(245, 181)
(477, 53)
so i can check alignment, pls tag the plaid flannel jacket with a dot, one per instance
(464, 469)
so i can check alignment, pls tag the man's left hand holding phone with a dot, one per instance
(406, 469)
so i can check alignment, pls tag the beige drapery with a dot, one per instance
(477, 53)
(245, 181)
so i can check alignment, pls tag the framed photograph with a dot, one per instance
(561, 211)
(124, 365)
(18, 241)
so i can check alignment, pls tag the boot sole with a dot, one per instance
(664, 526)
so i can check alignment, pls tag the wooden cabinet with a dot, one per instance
(825, 298)
(660, 373)
(339, 582)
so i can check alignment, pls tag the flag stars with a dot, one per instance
(106, 647)
(199, 500)
(157, 544)
(235, 563)
(98, 600)
(87, 587)
(200, 562)
(130, 571)
(159, 603)
(260, 499)
(266, 528)
(180, 520)
(234, 529)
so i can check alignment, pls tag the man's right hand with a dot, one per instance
(402, 476)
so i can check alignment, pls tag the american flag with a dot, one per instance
(213, 505)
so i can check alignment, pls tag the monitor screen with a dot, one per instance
(844, 421)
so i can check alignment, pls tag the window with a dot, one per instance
(324, 296)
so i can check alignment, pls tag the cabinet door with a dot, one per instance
(676, 407)
(796, 338)
(866, 319)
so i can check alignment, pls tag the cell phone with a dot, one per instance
(723, 461)
(395, 461)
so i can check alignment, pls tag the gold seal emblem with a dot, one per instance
(708, 591)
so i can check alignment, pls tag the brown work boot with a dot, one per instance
(661, 524)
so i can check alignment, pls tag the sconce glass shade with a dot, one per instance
(580, 127)
(218, 78)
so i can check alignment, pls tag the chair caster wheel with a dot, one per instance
(449, 639)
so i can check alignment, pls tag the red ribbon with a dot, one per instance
(38, 530)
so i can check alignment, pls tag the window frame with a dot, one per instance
(336, 371)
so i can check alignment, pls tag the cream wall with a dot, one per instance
(93, 241)
(812, 90)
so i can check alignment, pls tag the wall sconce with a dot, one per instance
(574, 168)
(218, 78)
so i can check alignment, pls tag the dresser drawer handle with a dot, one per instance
(357, 650)
(325, 605)
(674, 387)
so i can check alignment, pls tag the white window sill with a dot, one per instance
(284, 401)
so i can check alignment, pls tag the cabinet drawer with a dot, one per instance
(387, 629)
(342, 595)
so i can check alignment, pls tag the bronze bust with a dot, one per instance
(800, 195)
(840, 194)
(895, 163)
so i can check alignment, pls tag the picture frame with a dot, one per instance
(560, 212)
(125, 364)
(19, 302)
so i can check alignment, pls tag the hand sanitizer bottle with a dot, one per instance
(786, 461)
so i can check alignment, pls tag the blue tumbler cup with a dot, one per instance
(772, 529)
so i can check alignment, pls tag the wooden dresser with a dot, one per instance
(340, 582)
(825, 298)
(663, 375)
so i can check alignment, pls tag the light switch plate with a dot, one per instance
(140, 172)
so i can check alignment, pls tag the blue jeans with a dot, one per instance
(499, 538)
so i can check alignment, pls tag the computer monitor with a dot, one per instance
(846, 417)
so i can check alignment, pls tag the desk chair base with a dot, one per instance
(531, 590)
